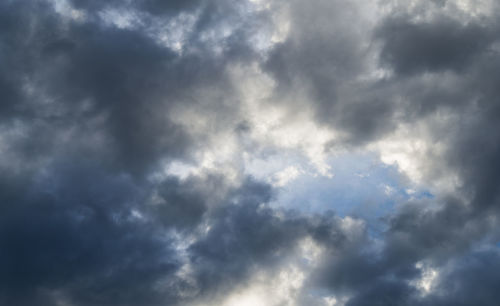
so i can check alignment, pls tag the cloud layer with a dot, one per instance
(249, 153)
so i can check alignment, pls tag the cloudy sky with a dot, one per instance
(250, 152)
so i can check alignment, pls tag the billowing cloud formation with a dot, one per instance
(249, 152)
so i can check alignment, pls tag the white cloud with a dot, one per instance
(286, 175)
(428, 279)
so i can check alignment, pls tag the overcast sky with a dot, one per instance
(249, 152)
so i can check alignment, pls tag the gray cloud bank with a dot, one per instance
(86, 120)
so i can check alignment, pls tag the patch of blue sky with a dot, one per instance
(361, 186)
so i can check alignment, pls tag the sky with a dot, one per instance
(249, 153)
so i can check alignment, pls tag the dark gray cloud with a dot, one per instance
(71, 230)
(156, 7)
(90, 215)
(99, 81)
(443, 44)
(79, 234)
(88, 105)
(468, 280)
(316, 57)
(461, 59)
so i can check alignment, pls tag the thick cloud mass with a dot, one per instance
(147, 150)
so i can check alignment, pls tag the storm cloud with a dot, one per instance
(249, 152)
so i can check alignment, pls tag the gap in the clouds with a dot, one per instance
(361, 185)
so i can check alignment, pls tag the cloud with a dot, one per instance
(165, 152)
(71, 231)
(440, 45)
